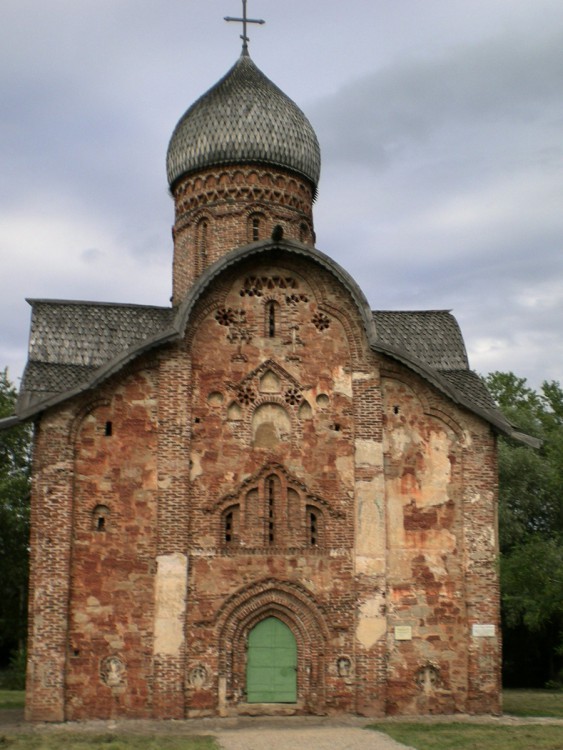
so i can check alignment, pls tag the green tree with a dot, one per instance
(531, 531)
(14, 526)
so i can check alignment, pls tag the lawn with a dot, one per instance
(533, 703)
(74, 741)
(458, 736)
(474, 736)
(12, 698)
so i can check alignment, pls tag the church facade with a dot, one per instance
(265, 498)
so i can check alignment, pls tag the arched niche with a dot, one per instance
(270, 426)
(270, 383)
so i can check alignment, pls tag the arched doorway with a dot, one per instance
(271, 669)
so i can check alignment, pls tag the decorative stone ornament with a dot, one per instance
(112, 671)
(344, 667)
(198, 677)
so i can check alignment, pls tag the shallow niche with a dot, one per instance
(234, 412)
(427, 678)
(270, 383)
(198, 677)
(322, 400)
(270, 426)
(215, 399)
(112, 671)
(305, 411)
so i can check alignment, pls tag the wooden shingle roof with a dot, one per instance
(74, 346)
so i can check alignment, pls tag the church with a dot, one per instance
(265, 498)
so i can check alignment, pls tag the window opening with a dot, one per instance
(255, 228)
(271, 319)
(108, 429)
(201, 244)
(313, 528)
(229, 527)
(100, 515)
(203, 226)
(271, 501)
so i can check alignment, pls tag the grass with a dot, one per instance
(12, 698)
(533, 703)
(451, 736)
(74, 741)
(474, 736)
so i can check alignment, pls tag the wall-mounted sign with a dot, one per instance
(403, 633)
(479, 630)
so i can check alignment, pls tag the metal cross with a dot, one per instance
(244, 20)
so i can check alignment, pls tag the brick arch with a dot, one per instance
(433, 407)
(297, 609)
(82, 414)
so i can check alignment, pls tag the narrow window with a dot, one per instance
(313, 528)
(203, 227)
(100, 518)
(108, 429)
(230, 519)
(271, 504)
(229, 527)
(201, 244)
(255, 229)
(271, 314)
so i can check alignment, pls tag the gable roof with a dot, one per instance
(74, 345)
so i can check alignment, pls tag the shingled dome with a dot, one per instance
(244, 118)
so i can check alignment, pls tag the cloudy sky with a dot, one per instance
(441, 130)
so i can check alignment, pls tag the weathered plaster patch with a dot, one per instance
(435, 475)
(372, 565)
(370, 517)
(345, 469)
(369, 453)
(371, 623)
(342, 382)
(195, 466)
(170, 603)
(399, 440)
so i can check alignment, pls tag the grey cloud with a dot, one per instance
(399, 106)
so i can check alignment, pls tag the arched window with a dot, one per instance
(230, 525)
(313, 519)
(201, 241)
(272, 319)
(272, 502)
(100, 518)
(256, 227)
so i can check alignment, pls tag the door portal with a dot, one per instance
(271, 671)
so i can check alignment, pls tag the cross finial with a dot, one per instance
(244, 20)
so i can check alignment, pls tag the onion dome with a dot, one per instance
(244, 118)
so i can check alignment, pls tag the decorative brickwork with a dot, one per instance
(267, 448)
(221, 209)
(220, 482)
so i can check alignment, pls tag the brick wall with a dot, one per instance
(269, 464)
(219, 209)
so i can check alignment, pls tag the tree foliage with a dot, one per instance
(14, 525)
(531, 531)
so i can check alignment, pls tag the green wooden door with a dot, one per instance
(271, 671)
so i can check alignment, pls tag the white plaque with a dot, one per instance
(403, 633)
(479, 630)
